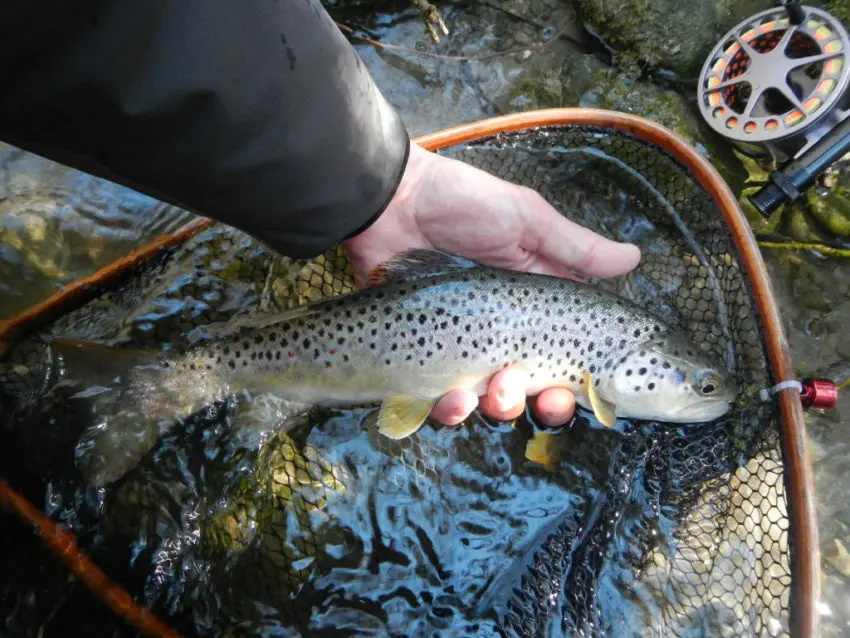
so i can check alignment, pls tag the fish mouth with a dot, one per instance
(704, 412)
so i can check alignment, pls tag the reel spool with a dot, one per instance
(777, 85)
(778, 82)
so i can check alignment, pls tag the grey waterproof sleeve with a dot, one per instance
(257, 113)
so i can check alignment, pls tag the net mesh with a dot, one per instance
(655, 530)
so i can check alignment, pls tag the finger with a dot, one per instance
(562, 241)
(454, 407)
(554, 406)
(505, 398)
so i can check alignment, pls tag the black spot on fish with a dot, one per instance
(422, 319)
(316, 353)
(374, 332)
(592, 368)
(439, 346)
(232, 364)
(237, 354)
(666, 365)
(637, 388)
(572, 377)
(277, 355)
(629, 372)
(410, 316)
(305, 343)
(258, 339)
(372, 346)
(621, 320)
(459, 339)
(373, 307)
(651, 386)
(246, 345)
(351, 330)
(596, 383)
(642, 371)
(421, 341)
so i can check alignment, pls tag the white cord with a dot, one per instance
(766, 393)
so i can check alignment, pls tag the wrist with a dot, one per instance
(400, 188)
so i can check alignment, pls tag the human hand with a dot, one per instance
(448, 205)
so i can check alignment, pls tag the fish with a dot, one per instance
(429, 322)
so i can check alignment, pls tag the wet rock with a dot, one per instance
(665, 33)
(588, 82)
(837, 556)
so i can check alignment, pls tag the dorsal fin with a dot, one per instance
(417, 263)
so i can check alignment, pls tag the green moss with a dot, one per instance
(840, 9)
(529, 95)
(831, 207)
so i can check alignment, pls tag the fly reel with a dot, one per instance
(776, 85)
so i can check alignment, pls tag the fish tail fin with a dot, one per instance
(154, 399)
(135, 396)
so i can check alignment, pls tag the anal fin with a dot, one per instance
(605, 412)
(400, 417)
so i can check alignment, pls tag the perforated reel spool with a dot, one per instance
(775, 88)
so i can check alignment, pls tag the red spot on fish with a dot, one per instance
(360, 339)
(332, 351)
(291, 354)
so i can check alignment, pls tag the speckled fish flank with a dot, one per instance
(433, 323)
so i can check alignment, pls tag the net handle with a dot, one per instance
(803, 536)
(803, 542)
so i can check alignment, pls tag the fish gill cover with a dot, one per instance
(254, 519)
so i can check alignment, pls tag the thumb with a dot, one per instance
(577, 248)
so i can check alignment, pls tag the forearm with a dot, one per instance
(258, 114)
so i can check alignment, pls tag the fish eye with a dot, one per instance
(708, 384)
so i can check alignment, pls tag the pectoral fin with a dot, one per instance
(604, 411)
(402, 416)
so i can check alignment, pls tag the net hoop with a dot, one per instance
(798, 478)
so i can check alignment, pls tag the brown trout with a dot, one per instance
(429, 323)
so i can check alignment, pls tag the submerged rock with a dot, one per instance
(665, 33)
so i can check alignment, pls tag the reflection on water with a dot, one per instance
(422, 534)
(58, 225)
